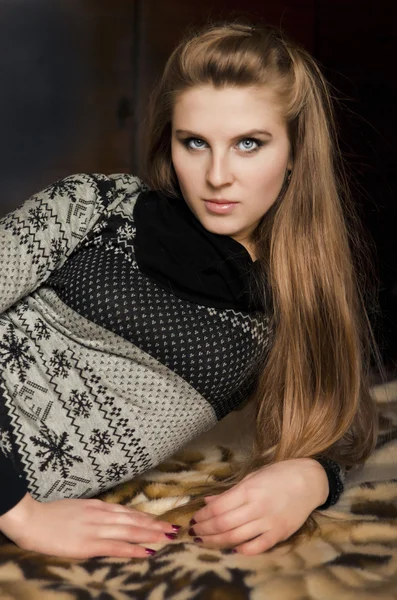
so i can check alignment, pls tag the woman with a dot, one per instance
(134, 319)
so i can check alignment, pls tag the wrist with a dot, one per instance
(313, 480)
(13, 521)
(335, 478)
(321, 487)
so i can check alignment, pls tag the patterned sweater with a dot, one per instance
(104, 372)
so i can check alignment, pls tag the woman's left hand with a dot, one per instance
(264, 508)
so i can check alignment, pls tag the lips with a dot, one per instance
(220, 207)
(220, 201)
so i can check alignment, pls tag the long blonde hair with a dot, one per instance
(313, 393)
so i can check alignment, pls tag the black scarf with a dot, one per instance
(172, 247)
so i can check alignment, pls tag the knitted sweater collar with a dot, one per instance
(172, 247)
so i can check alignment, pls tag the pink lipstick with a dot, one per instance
(220, 207)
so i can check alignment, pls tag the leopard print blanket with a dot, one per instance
(353, 556)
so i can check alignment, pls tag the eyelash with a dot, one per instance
(259, 144)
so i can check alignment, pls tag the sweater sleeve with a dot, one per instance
(37, 237)
(15, 486)
(336, 474)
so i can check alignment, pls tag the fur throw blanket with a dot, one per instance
(353, 556)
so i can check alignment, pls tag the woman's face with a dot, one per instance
(230, 151)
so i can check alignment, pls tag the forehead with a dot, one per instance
(229, 106)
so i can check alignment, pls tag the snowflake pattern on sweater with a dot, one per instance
(104, 373)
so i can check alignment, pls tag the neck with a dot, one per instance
(249, 246)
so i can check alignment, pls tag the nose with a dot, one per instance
(219, 171)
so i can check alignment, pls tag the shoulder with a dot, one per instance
(127, 189)
(103, 189)
(81, 199)
(130, 184)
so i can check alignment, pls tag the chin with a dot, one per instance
(214, 224)
(213, 228)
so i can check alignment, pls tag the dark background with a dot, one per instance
(75, 77)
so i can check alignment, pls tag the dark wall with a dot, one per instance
(76, 74)
(357, 44)
(66, 84)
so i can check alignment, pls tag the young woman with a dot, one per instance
(133, 318)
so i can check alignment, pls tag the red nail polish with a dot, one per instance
(230, 551)
(198, 540)
(150, 551)
(192, 522)
(171, 536)
(176, 527)
(191, 532)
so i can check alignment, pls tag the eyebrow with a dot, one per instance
(247, 134)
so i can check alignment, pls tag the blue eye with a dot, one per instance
(250, 144)
(188, 143)
(247, 145)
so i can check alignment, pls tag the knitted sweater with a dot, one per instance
(104, 371)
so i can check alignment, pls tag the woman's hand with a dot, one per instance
(265, 508)
(82, 528)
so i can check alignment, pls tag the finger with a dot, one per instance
(234, 537)
(123, 518)
(118, 508)
(130, 533)
(210, 498)
(233, 498)
(228, 520)
(126, 509)
(120, 550)
(143, 516)
(261, 543)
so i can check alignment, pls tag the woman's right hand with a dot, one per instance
(82, 528)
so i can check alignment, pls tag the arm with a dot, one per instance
(35, 239)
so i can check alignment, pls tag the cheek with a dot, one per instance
(187, 171)
(175, 158)
(178, 159)
(269, 174)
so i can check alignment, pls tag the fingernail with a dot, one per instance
(191, 531)
(150, 551)
(198, 540)
(176, 527)
(192, 522)
(171, 536)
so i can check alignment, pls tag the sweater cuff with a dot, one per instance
(13, 486)
(335, 477)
